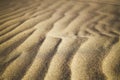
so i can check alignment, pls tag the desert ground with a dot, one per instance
(59, 40)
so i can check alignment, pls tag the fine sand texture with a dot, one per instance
(59, 40)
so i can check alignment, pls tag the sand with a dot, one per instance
(59, 40)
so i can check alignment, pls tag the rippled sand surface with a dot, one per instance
(59, 40)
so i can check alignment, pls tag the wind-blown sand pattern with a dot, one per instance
(59, 40)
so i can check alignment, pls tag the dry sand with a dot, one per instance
(59, 40)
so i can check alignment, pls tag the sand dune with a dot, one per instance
(59, 40)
